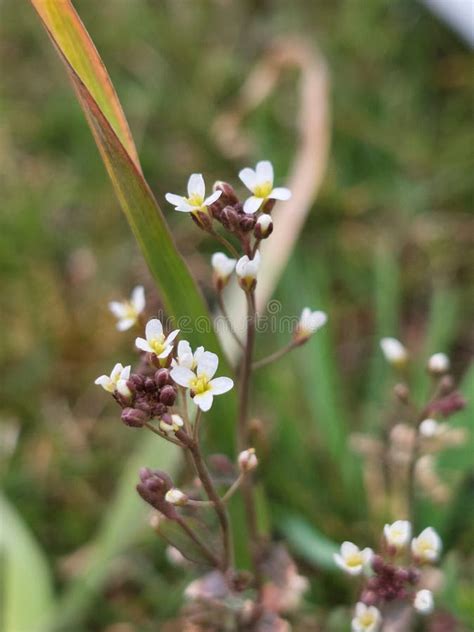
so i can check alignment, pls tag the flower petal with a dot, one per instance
(182, 375)
(118, 309)
(105, 382)
(153, 329)
(212, 198)
(174, 199)
(142, 344)
(184, 348)
(166, 351)
(203, 400)
(196, 185)
(264, 171)
(220, 385)
(349, 548)
(138, 298)
(252, 204)
(125, 323)
(171, 336)
(280, 193)
(125, 373)
(207, 365)
(248, 177)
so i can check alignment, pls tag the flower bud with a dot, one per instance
(247, 223)
(430, 428)
(427, 546)
(133, 417)
(394, 352)
(222, 266)
(168, 395)
(308, 324)
(263, 227)
(247, 269)
(398, 534)
(228, 195)
(153, 486)
(202, 219)
(162, 377)
(438, 364)
(171, 423)
(176, 497)
(247, 460)
(230, 218)
(149, 385)
(424, 602)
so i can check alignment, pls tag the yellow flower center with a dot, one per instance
(157, 344)
(263, 190)
(355, 559)
(200, 385)
(129, 310)
(196, 200)
(366, 619)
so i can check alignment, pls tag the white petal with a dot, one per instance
(125, 323)
(171, 336)
(241, 266)
(220, 385)
(348, 548)
(138, 298)
(252, 204)
(105, 382)
(196, 185)
(340, 561)
(207, 365)
(153, 329)
(142, 344)
(185, 207)
(280, 193)
(198, 353)
(248, 177)
(176, 200)
(125, 372)
(117, 309)
(182, 375)
(184, 348)
(165, 353)
(212, 198)
(203, 400)
(264, 171)
(116, 371)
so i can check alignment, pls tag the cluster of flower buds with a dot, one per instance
(154, 487)
(393, 574)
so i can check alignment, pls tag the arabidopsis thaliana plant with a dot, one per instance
(156, 342)
(260, 183)
(116, 381)
(127, 312)
(200, 382)
(351, 559)
(310, 322)
(246, 269)
(196, 199)
(398, 533)
(424, 602)
(223, 267)
(427, 546)
(185, 356)
(366, 619)
(394, 352)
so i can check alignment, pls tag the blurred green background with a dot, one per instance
(387, 250)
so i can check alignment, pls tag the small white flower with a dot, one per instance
(394, 352)
(196, 199)
(202, 386)
(156, 342)
(424, 602)
(247, 460)
(247, 269)
(310, 322)
(116, 381)
(264, 226)
(438, 363)
(223, 267)
(260, 183)
(352, 559)
(427, 546)
(176, 423)
(185, 356)
(176, 497)
(366, 619)
(430, 428)
(398, 533)
(127, 312)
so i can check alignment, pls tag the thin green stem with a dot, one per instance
(273, 357)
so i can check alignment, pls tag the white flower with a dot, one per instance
(247, 460)
(156, 342)
(310, 322)
(185, 356)
(351, 559)
(393, 350)
(223, 267)
(264, 226)
(202, 386)
(427, 546)
(424, 602)
(176, 423)
(176, 497)
(116, 381)
(438, 363)
(196, 200)
(430, 428)
(398, 533)
(366, 619)
(260, 183)
(247, 269)
(127, 312)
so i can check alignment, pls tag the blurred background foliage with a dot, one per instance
(387, 250)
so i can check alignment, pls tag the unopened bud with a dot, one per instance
(247, 460)
(263, 227)
(202, 219)
(394, 352)
(171, 423)
(133, 417)
(176, 497)
(228, 195)
(167, 395)
(438, 364)
(402, 392)
(424, 602)
(247, 269)
(247, 223)
(230, 218)
(162, 377)
(222, 266)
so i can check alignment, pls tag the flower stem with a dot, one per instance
(195, 538)
(222, 240)
(273, 357)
